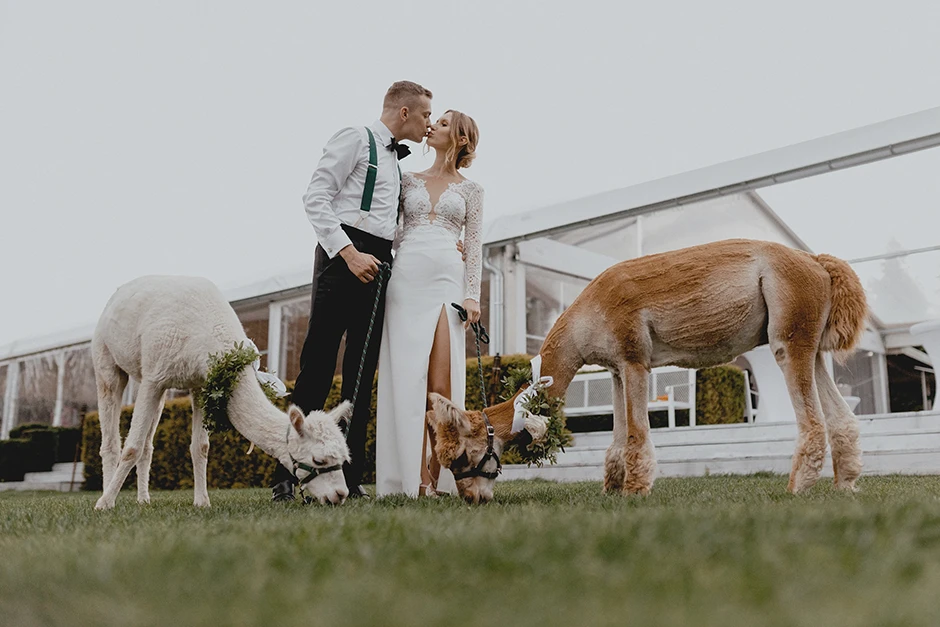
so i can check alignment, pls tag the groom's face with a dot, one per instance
(418, 120)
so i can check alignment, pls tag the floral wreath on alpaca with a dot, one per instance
(221, 379)
(538, 403)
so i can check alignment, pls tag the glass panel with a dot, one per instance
(869, 210)
(35, 401)
(79, 393)
(294, 319)
(903, 290)
(255, 322)
(911, 384)
(548, 294)
(856, 378)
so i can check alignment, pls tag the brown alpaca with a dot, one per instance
(699, 307)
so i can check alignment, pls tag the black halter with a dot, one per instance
(490, 454)
(312, 471)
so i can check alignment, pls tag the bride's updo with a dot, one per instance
(462, 125)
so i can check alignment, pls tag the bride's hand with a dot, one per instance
(473, 312)
(460, 249)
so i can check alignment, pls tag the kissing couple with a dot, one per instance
(362, 207)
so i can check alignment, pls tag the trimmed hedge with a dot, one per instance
(229, 465)
(14, 457)
(44, 443)
(67, 439)
(720, 398)
(35, 448)
(172, 468)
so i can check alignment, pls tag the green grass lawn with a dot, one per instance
(706, 551)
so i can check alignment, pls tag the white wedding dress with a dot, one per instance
(427, 276)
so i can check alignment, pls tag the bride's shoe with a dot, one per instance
(427, 490)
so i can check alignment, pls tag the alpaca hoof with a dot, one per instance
(201, 501)
(143, 500)
(103, 504)
(637, 491)
(615, 471)
(801, 483)
(847, 486)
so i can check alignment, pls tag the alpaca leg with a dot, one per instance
(146, 458)
(146, 412)
(798, 367)
(640, 457)
(841, 428)
(615, 462)
(110, 381)
(199, 449)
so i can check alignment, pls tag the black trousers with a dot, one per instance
(341, 303)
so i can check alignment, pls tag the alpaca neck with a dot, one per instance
(253, 415)
(561, 360)
(561, 357)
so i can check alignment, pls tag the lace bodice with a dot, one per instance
(460, 208)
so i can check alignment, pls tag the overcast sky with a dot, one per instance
(178, 137)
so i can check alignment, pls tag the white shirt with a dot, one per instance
(334, 195)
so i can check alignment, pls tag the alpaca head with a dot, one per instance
(461, 442)
(316, 440)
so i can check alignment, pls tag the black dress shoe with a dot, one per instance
(283, 492)
(358, 492)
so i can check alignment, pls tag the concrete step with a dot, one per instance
(57, 486)
(903, 440)
(886, 423)
(917, 461)
(59, 472)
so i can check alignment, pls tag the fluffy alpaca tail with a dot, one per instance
(848, 307)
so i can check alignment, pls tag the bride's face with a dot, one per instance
(439, 136)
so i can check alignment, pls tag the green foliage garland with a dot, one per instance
(221, 379)
(550, 407)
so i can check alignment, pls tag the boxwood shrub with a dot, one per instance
(720, 398)
(14, 457)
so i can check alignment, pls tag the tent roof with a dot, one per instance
(866, 144)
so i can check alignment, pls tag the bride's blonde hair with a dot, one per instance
(462, 125)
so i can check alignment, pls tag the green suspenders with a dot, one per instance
(370, 174)
(373, 169)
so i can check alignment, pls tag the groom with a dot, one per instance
(354, 236)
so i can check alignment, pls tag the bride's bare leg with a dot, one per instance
(439, 382)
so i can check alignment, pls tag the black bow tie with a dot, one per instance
(401, 150)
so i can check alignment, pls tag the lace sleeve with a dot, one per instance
(473, 242)
(400, 218)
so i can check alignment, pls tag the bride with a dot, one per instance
(423, 339)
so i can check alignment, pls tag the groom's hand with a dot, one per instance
(363, 265)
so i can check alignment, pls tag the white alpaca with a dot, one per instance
(161, 330)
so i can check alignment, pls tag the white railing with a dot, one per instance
(670, 389)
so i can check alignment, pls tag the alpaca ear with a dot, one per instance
(342, 412)
(296, 417)
(446, 413)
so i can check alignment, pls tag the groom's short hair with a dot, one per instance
(404, 94)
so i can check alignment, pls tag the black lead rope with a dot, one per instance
(385, 269)
(480, 335)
